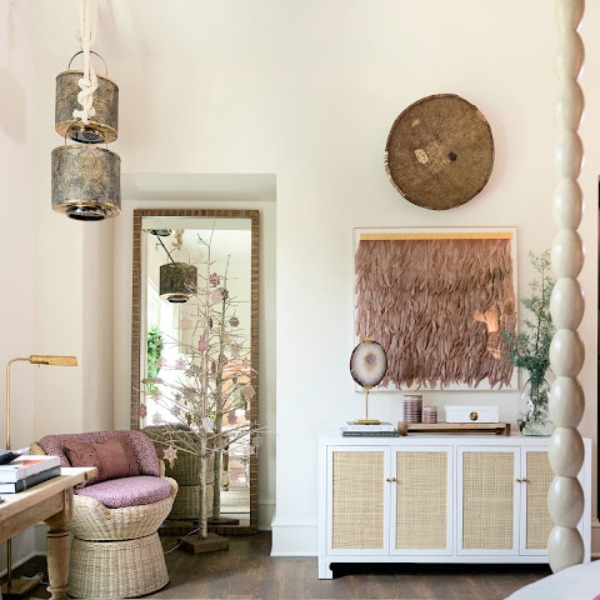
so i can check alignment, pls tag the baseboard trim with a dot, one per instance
(266, 514)
(297, 537)
(18, 563)
(294, 537)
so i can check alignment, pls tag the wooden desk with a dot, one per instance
(50, 502)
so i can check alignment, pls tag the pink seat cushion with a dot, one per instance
(128, 491)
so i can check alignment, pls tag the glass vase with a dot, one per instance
(534, 416)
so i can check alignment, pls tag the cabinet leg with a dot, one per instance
(325, 571)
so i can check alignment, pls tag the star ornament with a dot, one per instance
(216, 297)
(368, 363)
(249, 392)
(170, 454)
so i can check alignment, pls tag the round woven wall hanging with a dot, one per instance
(440, 152)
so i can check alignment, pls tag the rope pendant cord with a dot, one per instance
(88, 83)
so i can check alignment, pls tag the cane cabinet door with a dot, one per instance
(422, 507)
(536, 523)
(358, 500)
(488, 500)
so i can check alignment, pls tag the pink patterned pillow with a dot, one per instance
(113, 458)
(141, 444)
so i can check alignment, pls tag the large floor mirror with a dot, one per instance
(195, 342)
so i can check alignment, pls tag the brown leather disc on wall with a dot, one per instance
(440, 152)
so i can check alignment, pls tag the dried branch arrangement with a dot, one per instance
(209, 389)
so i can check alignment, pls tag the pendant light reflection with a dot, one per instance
(178, 281)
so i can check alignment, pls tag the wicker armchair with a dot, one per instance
(116, 551)
(185, 471)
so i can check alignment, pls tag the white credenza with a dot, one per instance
(437, 498)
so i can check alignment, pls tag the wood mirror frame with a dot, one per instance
(138, 332)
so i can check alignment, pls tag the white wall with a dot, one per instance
(17, 215)
(17, 271)
(308, 91)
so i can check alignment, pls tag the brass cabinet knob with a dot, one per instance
(474, 415)
(390, 479)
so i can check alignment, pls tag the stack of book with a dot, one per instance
(26, 471)
(383, 429)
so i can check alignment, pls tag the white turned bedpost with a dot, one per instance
(565, 496)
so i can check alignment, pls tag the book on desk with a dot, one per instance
(25, 471)
(26, 465)
(28, 482)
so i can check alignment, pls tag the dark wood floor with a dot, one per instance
(247, 571)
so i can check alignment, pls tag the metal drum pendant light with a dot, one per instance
(86, 179)
(102, 127)
(86, 182)
(178, 280)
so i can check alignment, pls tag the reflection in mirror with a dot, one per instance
(195, 345)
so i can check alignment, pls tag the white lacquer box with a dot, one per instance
(471, 414)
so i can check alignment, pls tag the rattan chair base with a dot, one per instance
(92, 521)
(110, 570)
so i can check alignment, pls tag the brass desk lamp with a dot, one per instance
(20, 587)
